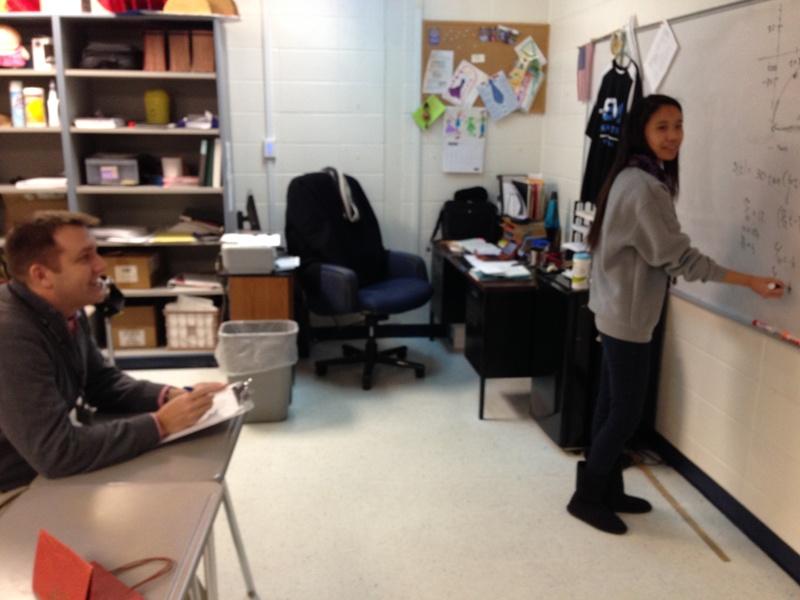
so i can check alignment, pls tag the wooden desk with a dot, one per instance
(112, 524)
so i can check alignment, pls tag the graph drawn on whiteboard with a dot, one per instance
(783, 74)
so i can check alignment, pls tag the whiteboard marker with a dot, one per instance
(775, 286)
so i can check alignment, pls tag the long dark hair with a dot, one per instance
(632, 143)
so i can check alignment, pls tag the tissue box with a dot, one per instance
(248, 260)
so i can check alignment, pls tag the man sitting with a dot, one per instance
(50, 364)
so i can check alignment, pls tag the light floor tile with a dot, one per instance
(402, 493)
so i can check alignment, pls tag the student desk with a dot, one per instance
(200, 457)
(112, 524)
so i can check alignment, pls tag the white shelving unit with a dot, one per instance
(61, 151)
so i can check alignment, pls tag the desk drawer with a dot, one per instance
(499, 337)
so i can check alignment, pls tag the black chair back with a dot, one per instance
(318, 232)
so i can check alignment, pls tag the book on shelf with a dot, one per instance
(98, 122)
(201, 165)
(216, 169)
(198, 281)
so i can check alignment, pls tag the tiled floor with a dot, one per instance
(402, 493)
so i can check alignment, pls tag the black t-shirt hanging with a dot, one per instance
(605, 126)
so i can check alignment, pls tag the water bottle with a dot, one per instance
(17, 104)
(53, 119)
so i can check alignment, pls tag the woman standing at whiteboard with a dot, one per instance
(637, 246)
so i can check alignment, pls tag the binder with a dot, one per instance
(202, 51)
(201, 166)
(179, 53)
(216, 171)
(155, 52)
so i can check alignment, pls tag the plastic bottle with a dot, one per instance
(34, 107)
(53, 120)
(17, 104)
(552, 226)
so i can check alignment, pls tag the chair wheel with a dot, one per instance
(320, 370)
(366, 383)
(419, 372)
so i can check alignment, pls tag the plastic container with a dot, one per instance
(581, 266)
(112, 169)
(156, 107)
(264, 351)
(35, 115)
(17, 104)
(53, 120)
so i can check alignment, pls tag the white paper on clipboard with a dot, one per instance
(226, 406)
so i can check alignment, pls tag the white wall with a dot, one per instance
(729, 396)
(248, 106)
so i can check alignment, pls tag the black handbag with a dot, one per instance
(469, 214)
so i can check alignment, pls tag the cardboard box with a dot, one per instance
(21, 207)
(134, 327)
(132, 271)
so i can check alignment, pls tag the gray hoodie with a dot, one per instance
(641, 246)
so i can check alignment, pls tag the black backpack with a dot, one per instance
(469, 214)
(109, 55)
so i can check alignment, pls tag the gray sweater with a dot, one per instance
(43, 370)
(641, 246)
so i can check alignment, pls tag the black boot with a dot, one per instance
(618, 501)
(588, 505)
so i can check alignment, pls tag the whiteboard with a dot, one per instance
(737, 75)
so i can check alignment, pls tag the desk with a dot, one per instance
(500, 340)
(105, 523)
(201, 457)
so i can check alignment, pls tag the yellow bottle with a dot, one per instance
(156, 107)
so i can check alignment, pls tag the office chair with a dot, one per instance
(345, 269)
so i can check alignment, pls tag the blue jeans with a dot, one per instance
(620, 402)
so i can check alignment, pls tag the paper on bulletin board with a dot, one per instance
(498, 96)
(438, 71)
(528, 50)
(429, 112)
(462, 89)
(464, 140)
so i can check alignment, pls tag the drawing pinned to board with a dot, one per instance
(527, 75)
(464, 140)
(438, 72)
(462, 89)
(430, 111)
(498, 96)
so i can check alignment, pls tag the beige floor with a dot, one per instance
(402, 493)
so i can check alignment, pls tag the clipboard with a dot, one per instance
(232, 401)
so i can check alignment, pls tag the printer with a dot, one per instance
(249, 253)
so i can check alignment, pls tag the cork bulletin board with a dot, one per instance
(462, 38)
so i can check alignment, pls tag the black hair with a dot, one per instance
(632, 142)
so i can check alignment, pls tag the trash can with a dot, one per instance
(264, 351)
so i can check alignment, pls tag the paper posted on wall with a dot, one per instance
(659, 57)
(498, 96)
(464, 140)
(462, 89)
(438, 71)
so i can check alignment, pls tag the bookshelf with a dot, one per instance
(61, 151)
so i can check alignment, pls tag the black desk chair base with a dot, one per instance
(370, 356)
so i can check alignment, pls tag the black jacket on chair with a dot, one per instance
(318, 232)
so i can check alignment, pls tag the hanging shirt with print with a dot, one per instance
(605, 125)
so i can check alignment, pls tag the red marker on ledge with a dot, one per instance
(784, 335)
